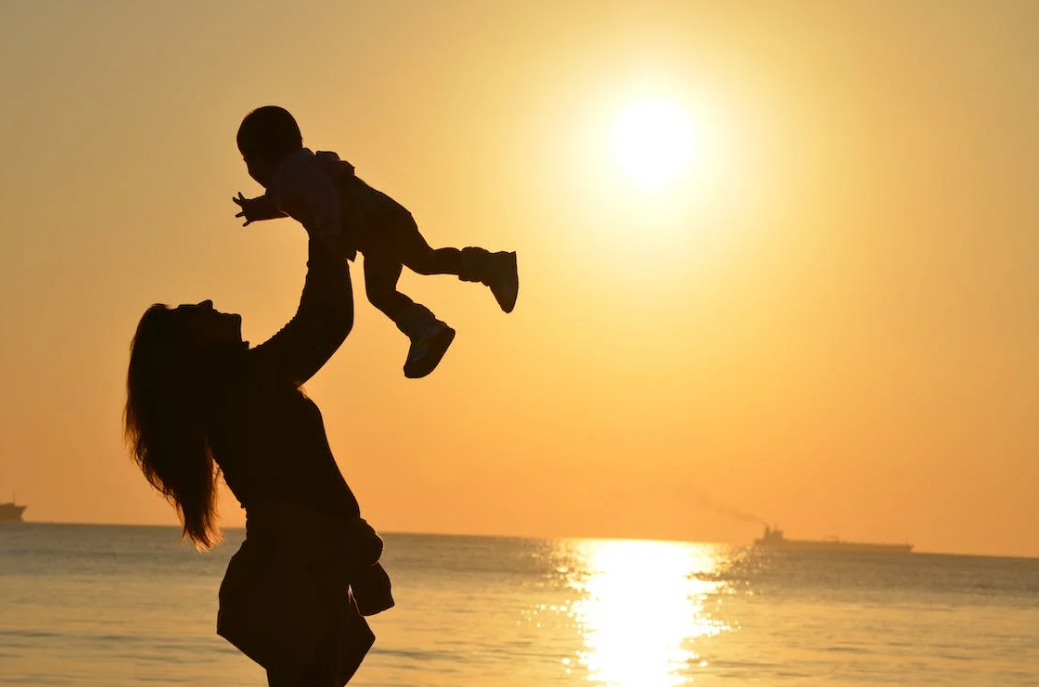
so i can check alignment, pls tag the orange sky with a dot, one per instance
(831, 321)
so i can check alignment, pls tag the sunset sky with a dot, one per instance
(816, 303)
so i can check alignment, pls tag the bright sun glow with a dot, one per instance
(653, 142)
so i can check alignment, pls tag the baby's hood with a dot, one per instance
(329, 163)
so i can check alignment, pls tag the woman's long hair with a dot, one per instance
(168, 388)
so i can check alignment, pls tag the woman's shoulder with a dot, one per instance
(261, 378)
(258, 370)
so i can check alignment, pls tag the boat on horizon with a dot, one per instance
(11, 512)
(773, 538)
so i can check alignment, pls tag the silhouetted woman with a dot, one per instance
(199, 401)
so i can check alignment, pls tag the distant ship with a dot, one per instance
(11, 512)
(773, 538)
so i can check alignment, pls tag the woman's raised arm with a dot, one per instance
(321, 323)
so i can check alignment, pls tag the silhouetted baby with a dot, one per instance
(321, 192)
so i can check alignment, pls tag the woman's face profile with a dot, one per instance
(210, 326)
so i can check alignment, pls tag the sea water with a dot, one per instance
(117, 606)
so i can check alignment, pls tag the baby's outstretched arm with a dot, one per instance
(256, 209)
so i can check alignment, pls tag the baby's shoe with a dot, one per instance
(496, 270)
(429, 343)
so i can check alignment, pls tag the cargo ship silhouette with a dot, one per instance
(773, 538)
(11, 512)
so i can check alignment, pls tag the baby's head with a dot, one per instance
(267, 136)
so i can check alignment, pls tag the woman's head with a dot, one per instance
(267, 136)
(177, 360)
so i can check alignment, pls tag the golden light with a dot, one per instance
(653, 142)
(643, 610)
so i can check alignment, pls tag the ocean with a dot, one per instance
(115, 606)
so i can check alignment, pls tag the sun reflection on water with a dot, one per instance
(641, 608)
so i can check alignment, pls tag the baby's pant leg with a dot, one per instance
(409, 247)
(380, 284)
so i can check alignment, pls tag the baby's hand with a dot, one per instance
(249, 208)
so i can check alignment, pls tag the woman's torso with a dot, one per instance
(272, 448)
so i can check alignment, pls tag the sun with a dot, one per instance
(653, 142)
